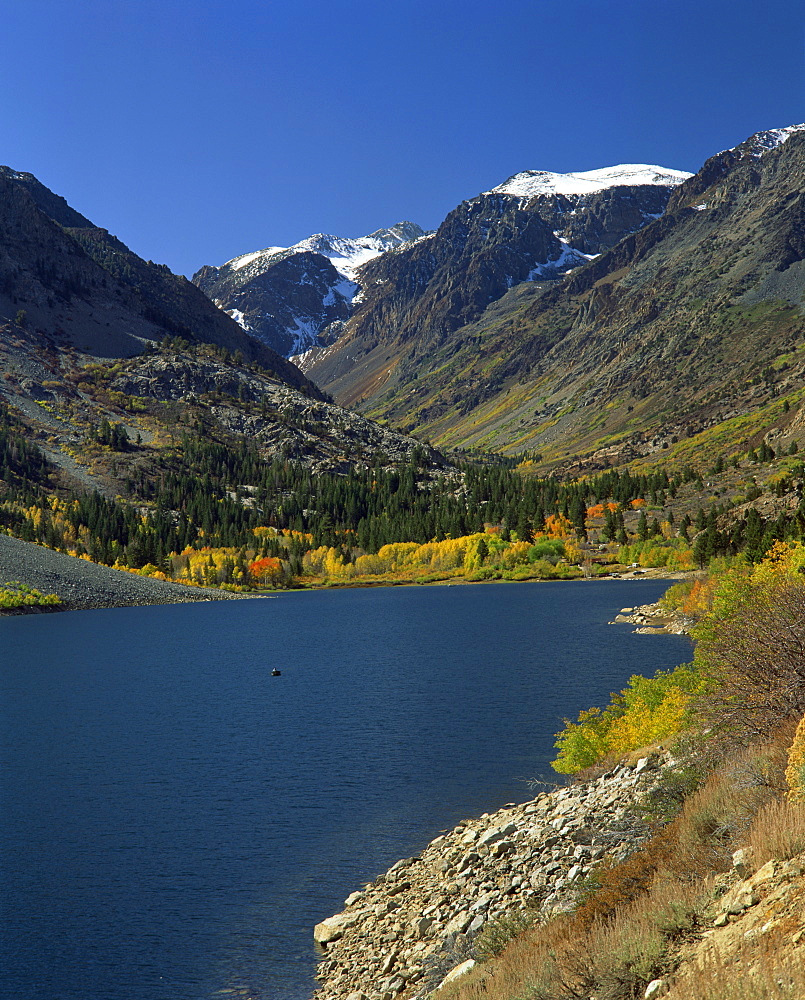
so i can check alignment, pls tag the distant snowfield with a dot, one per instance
(345, 254)
(238, 262)
(531, 183)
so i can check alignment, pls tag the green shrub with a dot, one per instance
(549, 549)
(497, 933)
(18, 595)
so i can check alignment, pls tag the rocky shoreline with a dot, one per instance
(82, 585)
(654, 619)
(417, 925)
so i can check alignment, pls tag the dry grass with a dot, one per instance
(771, 972)
(795, 772)
(778, 832)
(614, 958)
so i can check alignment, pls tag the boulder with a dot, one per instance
(532, 856)
(459, 970)
(333, 928)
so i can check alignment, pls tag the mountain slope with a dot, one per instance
(691, 321)
(534, 227)
(290, 298)
(72, 282)
(92, 336)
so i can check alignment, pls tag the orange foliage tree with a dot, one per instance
(267, 570)
(597, 510)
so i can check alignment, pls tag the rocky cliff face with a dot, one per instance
(288, 303)
(297, 298)
(402, 934)
(534, 227)
(283, 422)
(689, 322)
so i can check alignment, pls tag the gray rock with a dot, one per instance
(333, 928)
(456, 972)
(430, 906)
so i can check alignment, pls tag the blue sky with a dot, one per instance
(196, 131)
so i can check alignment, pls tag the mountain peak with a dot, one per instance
(288, 296)
(402, 232)
(763, 142)
(530, 183)
(345, 253)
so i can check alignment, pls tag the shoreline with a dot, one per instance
(650, 573)
(413, 929)
(82, 585)
(654, 619)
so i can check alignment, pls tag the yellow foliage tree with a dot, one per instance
(397, 555)
(795, 772)
(649, 710)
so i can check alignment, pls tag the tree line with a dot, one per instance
(205, 493)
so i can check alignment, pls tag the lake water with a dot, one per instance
(175, 820)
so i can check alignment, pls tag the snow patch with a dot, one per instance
(305, 332)
(345, 289)
(238, 262)
(566, 261)
(763, 142)
(345, 254)
(530, 183)
(239, 317)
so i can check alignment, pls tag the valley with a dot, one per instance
(491, 374)
(584, 376)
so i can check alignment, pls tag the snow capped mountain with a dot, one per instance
(288, 296)
(530, 183)
(535, 226)
(345, 254)
(762, 142)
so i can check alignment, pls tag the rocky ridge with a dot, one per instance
(403, 934)
(73, 285)
(516, 233)
(282, 421)
(299, 297)
(688, 323)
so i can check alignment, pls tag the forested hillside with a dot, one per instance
(181, 496)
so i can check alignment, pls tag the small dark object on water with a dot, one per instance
(275, 672)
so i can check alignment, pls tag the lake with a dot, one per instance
(175, 819)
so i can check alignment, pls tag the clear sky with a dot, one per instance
(197, 130)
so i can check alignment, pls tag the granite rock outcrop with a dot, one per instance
(400, 936)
